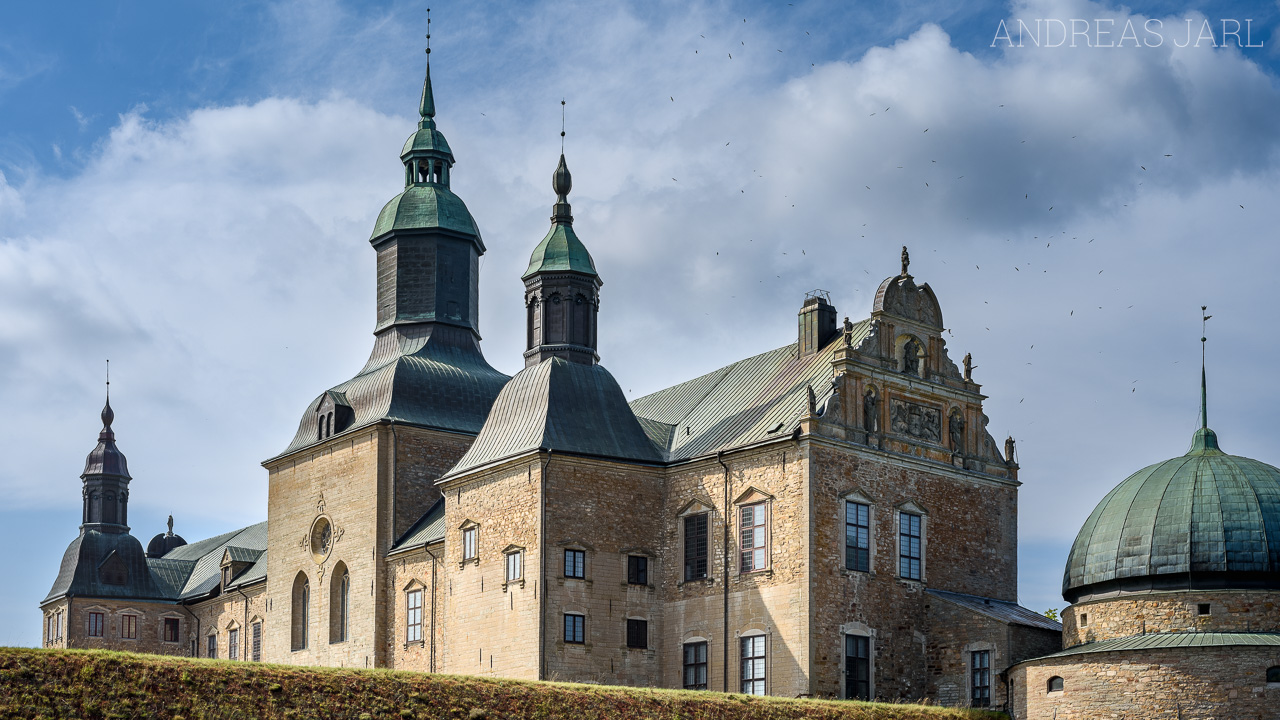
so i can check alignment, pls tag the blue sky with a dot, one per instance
(188, 189)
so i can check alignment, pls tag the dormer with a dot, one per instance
(235, 560)
(332, 415)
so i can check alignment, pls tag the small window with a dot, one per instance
(753, 665)
(1273, 674)
(413, 604)
(575, 563)
(637, 634)
(637, 570)
(469, 544)
(980, 672)
(857, 667)
(129, 627)
(909, 546)
(1055, 684)
(515, 566)
(226, 576)
(1202, 609)
(233, 644)
(1084, 619)
(95, 624)
(256, 639)
(574, 629)
(755, 551)
(211, 646)
(857, 537)
(695, 547)
(695, 666)
(171, 630)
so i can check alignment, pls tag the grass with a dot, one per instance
(95, 684)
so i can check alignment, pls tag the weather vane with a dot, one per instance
(561, 126)
(108, 379)
(1204, 391)
(428, 36)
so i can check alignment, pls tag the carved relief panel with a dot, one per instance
(923, 422)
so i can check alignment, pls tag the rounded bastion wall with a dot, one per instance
(1158, 612)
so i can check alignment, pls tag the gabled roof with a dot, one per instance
(206, 573)
(252, 574)
(1000, 610)
(759, 398)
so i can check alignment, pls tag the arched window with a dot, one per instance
(1055, 684)
(1273, 674)
(339, 603)
(320, 428)
(328, 425)
(301, 611)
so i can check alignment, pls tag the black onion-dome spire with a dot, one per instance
(106, 479)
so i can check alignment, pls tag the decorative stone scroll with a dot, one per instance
(915, 420)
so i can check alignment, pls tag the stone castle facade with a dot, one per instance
(826, 519)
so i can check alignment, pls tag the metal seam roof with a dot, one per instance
(1156, 641)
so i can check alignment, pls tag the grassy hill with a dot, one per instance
(92, 684)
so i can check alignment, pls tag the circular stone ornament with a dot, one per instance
(321, 539)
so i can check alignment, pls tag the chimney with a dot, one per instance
(817, 322)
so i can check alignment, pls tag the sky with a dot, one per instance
(188, 189)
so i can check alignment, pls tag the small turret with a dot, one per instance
(106, 480)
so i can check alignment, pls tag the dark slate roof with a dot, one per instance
(562, 406)
(430, 376)
(106, 458)
(428, 529)
(1157, 641)
(1001, 610)
(79, 575)
(1213, 515)
(759, 398)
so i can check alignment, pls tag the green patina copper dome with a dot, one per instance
(426, 139)
(560, 250)
(426, 206)
(1206, 520)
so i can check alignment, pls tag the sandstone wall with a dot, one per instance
(150, 626)
(231, 610)
(1229, 611)
(414, 571)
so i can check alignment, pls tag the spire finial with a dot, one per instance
(1204, 386)
(107, 415)
(906, 260)
(427, 107)
(562, 182)
(562, 126)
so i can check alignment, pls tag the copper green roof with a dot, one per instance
(423, 207)
(560, 250)
(1205, 520)
(426, 139)
(1161, 641)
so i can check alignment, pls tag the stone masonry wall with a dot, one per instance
(773, 602)
(490, 628)
(405, 572)
(230, 610)
(969, 546)
(610, 510)
(1229, 611)
(954, 633)
(422, 456)
(1216, 683)
(150, 624)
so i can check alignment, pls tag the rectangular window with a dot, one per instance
(637, 633)
(909, 546)
(753, 665)
(755, 555)
(857, 667)
(857, 537)
(129, 627)
(574, 626)
(469, 544)
(575, 563)
(695, 547)
(50, 633)
(981, 671)
(211, 646)
(171, 630)
(256, 638)
(233, 644)
(58, 625)
(413, 602)
(695, 666)
(515, 566)
(637, 570)
(95, 624)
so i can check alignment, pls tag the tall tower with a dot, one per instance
(106, 482)
(561, 288)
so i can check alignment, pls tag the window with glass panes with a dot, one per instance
(233, 644)
(574, 629)
(637, 633)
(413, 606)
(171, 627)
(755, 553)
(637, 570)
(695, 546)
(575, 563)
(857, 667)
(980, 664)
(469, 543)
(515, 566)
(695, 666)
(211, 646)
(909, 546)
(753, 665)
(95, 624)
(857, 537)
(256, 638)
(129, 627)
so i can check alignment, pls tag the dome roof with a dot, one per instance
(162, 543)
(426, 139)
(560, 250)
(426, 206)
(1205, 520)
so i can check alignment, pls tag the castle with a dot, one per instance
(826, 519)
